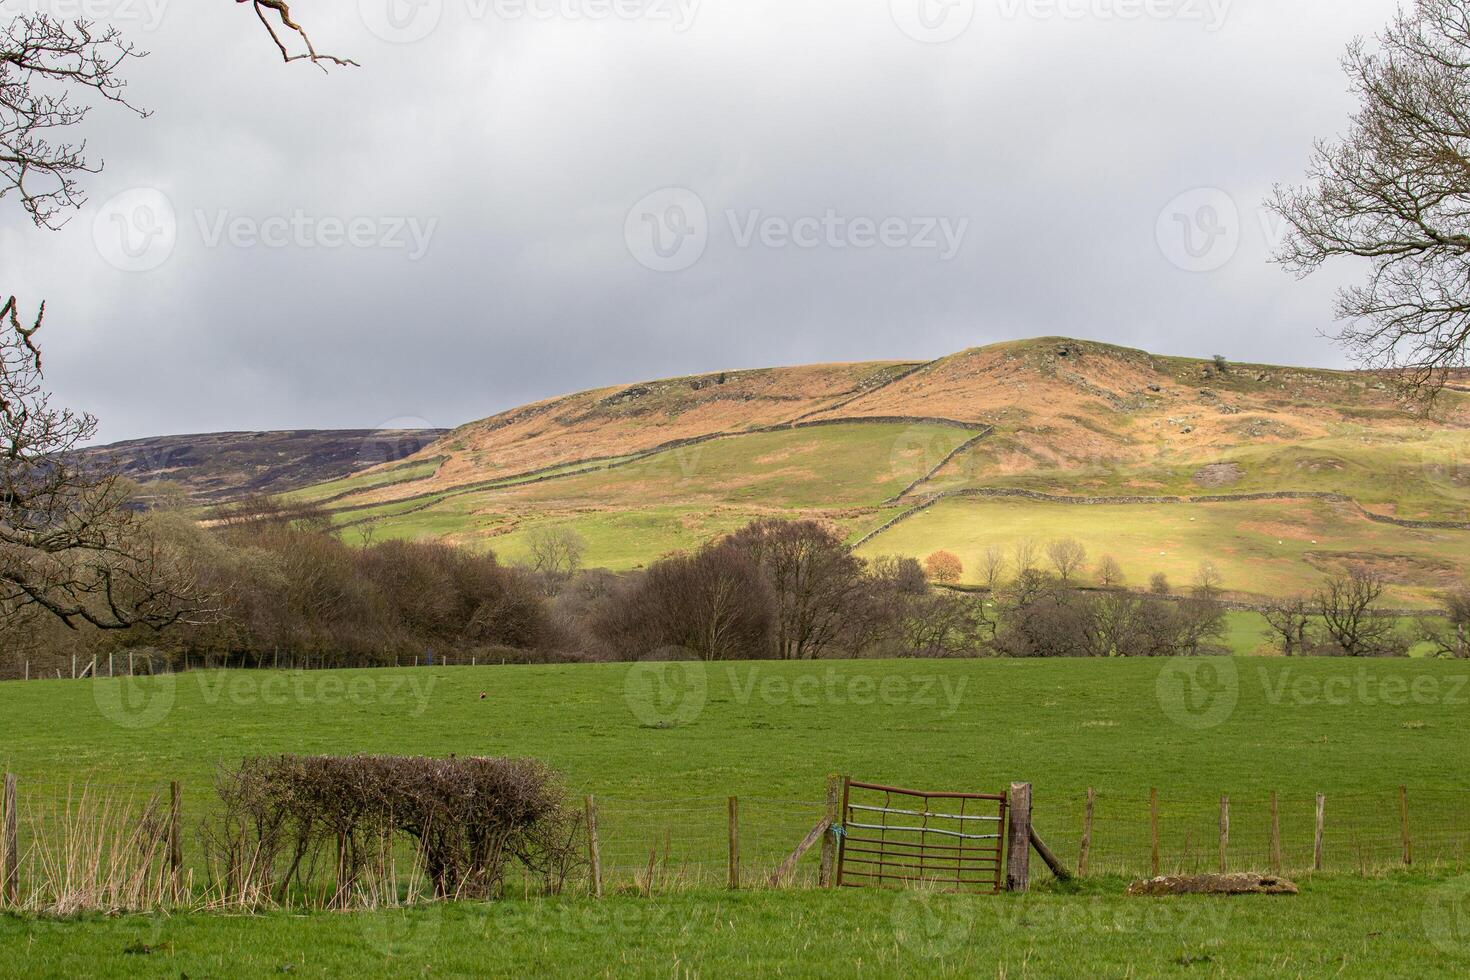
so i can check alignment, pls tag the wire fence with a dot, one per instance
(107, 843)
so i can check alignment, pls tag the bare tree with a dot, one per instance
(1346, 604)
(1395, 191)
(1068, 557)
(1289, 619)
(1208, 580)
(1450, 634)
(992, 567)
(555, 552)
(1109, 572)
(1025, 557)
(69, 544)
(54, 71)
(813, 576)
(1158, 584)
(367, 531)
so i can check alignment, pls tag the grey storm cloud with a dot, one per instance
(512, 199)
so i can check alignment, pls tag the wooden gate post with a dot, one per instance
(1224, 833)
(1153, 826)
(1018, 838)
(829, 839)
(11, 843)
(1404, 824)
(1275, 835)
(175, 835)
(1086, 851)
(734, 881)
(594, 852)
(1317, 843)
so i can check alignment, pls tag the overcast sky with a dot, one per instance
(513, 199)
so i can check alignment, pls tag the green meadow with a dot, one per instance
(663, 745)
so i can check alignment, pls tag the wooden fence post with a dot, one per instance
(829, 839)
(734, 881)
(1404, 824)
(1317, 842)
(1018, 838)
(11, 843)
(1224, 834)
(594, 851)
(1086, 832)
(1275, 834)
(175, 835)
(1153, 824)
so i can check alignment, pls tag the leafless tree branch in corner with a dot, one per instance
(70, 544)
(282, 11)
(1395, 194)
(47, 67)
(52, 74)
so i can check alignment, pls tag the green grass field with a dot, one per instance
(1337, 927)
(1412, 472)
(663, 745)
(1261, 547)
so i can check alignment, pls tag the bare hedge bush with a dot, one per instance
(289, 822)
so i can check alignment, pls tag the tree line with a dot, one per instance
(276, 584)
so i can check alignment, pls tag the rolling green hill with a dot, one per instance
(1275, 474)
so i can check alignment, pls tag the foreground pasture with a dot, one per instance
(1397, 926)
(663, 745)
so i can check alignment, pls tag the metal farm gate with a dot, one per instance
(906, 837)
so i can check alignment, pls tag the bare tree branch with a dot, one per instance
(45, 66)
(1395, 194)
(70, 545)
(283, 12)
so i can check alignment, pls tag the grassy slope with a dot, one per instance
(1266, 548)
(1098, 420)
